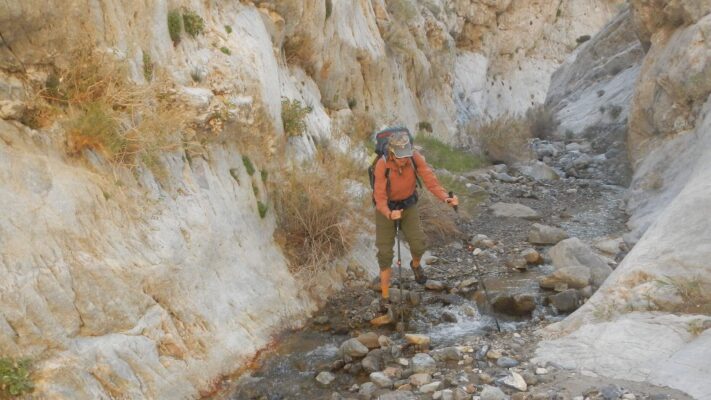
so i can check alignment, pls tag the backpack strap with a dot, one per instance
(417, 175)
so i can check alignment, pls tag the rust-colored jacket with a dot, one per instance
(403, 181)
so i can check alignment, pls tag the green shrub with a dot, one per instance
(228, 29)
(225, 50)
(175, 25)
(147, 66)
(263, 208)
(615, 111)
(441, 155)
(265, 174)
(97, 128)
(193, 23)
(582, 39)
(255, 189)
(424, 126)
(352, 103)
(14, 378)
(248, 165)
(196, 75)
(329, 8)
(292, 116)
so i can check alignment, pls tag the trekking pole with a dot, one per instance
(401, 325)
(486, 296)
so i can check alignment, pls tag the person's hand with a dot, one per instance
(452, 201)
(395, 214)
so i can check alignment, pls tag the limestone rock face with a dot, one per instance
(627, 329)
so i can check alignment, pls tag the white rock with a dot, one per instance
(516, 381)
(325, 378)
(430, 387)
(514, 210)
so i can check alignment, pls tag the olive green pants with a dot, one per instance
(411, 229)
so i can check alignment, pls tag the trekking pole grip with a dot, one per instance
(451, 196)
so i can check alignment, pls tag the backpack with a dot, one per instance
(381, 139)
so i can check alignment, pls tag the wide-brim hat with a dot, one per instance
(400, 145)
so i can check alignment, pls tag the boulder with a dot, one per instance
(573, 252)
(539, 171)
(566, 301)
(544, 234)
(514, 210)
(532, 256)
(576, 277)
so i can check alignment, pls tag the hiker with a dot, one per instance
(395, 195)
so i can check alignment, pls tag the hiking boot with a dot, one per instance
(420, 276)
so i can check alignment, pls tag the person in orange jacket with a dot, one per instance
(395, 195)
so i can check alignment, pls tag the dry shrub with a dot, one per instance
(106, 112)
(505, 139)
(438, 220)
(314, 219)
(542, 122)
(299, 50)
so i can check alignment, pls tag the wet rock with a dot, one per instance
(573, 252)
(423, 363)
(514, 210)
(381, 380)
(448, 316)
(420, 379)
(418, 340)
(515, 381)
(353, 348)
(325, 378)
(532, 256)
(434, 285)
(566, 301)
(573, 277)
(492, 393)
(430, 387)
(446, 354)
(369, 340)
(514, 304)
(506, 362)
(544, 234)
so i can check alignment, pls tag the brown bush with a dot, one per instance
(505, 139)
(541, 122)
(314, 219)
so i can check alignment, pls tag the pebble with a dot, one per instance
(419, 340)
(493, 354)
(325, 378)
(367, 389)
(353, 348)
(516, 381)
(422, 362)
(381, 380)
(420, 379)
(506, 362)
(492, 393)
(434, 285)
(403, 361)
(430, 387)
(448, 316)
(369, 340)
(541, 371)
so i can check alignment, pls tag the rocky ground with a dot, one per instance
(536, 249)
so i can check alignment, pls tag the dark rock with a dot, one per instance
(506, 362)
(611, 392)
(566, 301)
(448, 316)
(514, 304)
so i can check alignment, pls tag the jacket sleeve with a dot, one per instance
(428, 177)
(380, 189)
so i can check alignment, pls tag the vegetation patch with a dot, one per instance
(193, 23)
(329, 8)
(147, 66)
(292, 116)
(262, 208)
(175, 26)
(582, 39)
(14, 378)
(225, 50)
(541, 122)
(316, 217)
(228, 29)
(442, 155)
(505, 139)
(248, 165)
